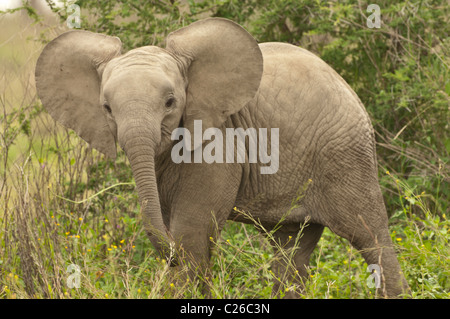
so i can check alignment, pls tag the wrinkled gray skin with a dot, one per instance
(214, 71)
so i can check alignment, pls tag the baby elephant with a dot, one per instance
(177, 113)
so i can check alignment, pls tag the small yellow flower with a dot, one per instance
(89, 250)
(139, 290)
(133, 246)
(234, 208)
(290, 237)
(211, 239)
(122, 241)
(106, 295)
(387, 172)
(172, 285)
(109, 249)
(80, 219)
(67, 233)
(77, 236)
(106, 220)
(398, 239)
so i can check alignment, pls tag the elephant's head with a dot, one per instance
(208, 71)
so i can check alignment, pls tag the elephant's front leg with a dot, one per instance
(200, 208)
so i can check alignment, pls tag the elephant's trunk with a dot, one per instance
(139, 144)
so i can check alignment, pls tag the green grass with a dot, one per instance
(43, 234)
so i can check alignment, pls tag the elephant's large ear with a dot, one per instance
(225, 66)
(68, 79)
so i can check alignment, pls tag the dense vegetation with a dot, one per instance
(62, 203)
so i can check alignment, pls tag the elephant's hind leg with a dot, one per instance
(292, 254)
(358, 214)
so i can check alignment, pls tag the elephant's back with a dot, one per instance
(295, 73)
(304, 97)
(321, 121)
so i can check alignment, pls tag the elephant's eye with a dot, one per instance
(107, 108)
(169, 102)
